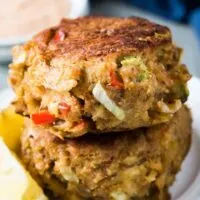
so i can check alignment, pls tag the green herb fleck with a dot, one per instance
(142, 76)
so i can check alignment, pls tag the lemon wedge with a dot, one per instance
(15, 181)
(11, 127)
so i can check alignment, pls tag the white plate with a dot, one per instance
(187, 184)
(78, 8)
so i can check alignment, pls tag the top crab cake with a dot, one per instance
(99, 74)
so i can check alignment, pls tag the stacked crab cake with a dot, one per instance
(105, 101)
(139, 164)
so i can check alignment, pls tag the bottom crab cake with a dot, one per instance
(139, 166)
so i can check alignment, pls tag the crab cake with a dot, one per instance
(140, 164)
(99, 74)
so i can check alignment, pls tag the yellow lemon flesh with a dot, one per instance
(11, 126)
(15, 181)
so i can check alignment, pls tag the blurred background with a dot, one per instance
(20, 19)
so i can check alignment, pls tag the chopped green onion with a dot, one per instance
(101, 96)
(134, 61)
(137, 63)
(142, 76)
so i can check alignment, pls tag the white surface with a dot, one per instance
(78, 8)
(3, 77)
(187, 185)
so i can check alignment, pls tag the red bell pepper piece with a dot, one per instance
(59, 36)
(115, 82)
(43, 118)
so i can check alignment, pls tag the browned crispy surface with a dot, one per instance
(100, 36)
(133, 59)
(137, 164)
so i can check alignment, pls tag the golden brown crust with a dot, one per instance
(137, 65)
(136, 163)
(99, 36)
